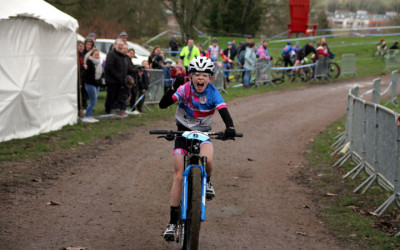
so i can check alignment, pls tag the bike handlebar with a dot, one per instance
(220, 135)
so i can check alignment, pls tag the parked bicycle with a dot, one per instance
(193, 202)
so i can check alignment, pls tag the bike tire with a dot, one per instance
(278, 76)
(334, 70)
(193, 220)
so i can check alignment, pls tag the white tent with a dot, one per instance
(38, 69)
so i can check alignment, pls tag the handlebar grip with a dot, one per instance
(159, 132)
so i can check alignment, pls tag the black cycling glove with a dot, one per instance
(230, 132)
(178, 82)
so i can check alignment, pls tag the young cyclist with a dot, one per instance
(213, 51)
(198, 100)
(287, 53)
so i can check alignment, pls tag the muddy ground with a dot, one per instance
(115, 194)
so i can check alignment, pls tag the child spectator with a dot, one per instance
(167, 74)
(200, 47)
(179, 70)
(125, 94)
(143, 86)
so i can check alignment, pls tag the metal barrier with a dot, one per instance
(156, 86)
(349, 64)
(263, 70)
(322, 67)
(392, 59)
(218, 80)
(393, 91)
(372, 140)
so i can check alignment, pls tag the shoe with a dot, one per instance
(169, 234)
(210, 193)
(93, 119)
(122, 113)
(135, 112)
(87, 120)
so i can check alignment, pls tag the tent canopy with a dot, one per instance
(38, 69)
(37, 9)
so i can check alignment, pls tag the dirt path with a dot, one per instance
(115, 195)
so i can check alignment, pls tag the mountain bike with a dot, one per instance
(193, 202)
(334, 70)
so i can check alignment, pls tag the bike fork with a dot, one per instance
(186, 174)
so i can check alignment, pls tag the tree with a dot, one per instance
(186, 13)
(234, 16)
(107, 18)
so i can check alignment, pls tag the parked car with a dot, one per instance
(141, 53)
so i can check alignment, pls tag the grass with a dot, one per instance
(347, 213)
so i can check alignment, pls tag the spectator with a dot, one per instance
(249, 64)
(156, 58)
(323, 50)
(133, 72)
(395, 46)
(200, 47)
(234, 50)
(179, 70)
(92, 80)
(287, 53)
(116, 70)
(297, 46)
(174, 44)
(124, 94)
(262, 51)
(123, 36)
(189, 52)
(143, 86)
(213, 51)
(167, 75)
(81, 107)
(93, 36)
(145, 64)
(228, 64)
(89, 45)
(243, 46)
(304, 51)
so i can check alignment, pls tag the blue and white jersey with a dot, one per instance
(196, 109)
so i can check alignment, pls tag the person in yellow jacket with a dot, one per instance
(189, 52)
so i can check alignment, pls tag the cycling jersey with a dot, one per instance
(286, 52)
(196, 109)
(213, 52)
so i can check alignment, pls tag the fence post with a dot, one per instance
(376, 93)
(393, 90)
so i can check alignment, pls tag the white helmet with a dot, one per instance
(201, 64)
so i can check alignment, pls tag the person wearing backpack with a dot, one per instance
(287, 52)
(249, 63)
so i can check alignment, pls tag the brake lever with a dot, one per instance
(168, 137)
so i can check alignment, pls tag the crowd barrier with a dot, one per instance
(392, 59)
(263, 71)
(349, 65)
(372, 140)
(156, 86)
(321, 69)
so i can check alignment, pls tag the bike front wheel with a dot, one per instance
(191, 227)
(334, 70)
